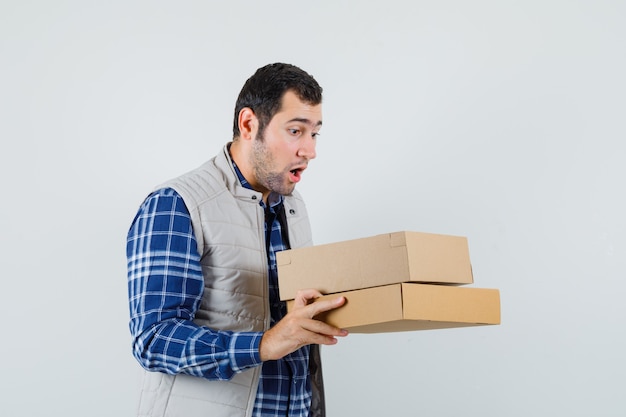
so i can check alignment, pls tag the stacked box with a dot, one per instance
(392, 282)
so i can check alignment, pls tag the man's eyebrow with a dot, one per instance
(305, 120)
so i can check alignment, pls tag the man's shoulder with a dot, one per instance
(199, 184)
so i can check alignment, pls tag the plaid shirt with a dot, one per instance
(165, 285)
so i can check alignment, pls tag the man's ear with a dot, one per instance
(248, 123)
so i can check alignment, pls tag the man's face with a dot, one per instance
(282, 151)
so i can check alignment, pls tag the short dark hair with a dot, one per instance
(264, 90)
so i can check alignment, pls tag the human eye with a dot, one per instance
(294, 131)
(315, 135)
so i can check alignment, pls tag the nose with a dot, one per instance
(307, 149)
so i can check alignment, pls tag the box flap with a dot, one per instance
(438, 258)
(342, 266)
(397, 239)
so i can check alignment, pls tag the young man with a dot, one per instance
(206, 319)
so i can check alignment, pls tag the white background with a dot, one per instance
(502, 121)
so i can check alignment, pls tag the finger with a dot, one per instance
(319, 328)
(320, 339)
(321, 306)
(303, 297)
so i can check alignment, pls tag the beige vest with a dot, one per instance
(228, 224)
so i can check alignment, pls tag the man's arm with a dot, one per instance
(165, 286)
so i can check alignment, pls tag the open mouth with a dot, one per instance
(296, 174)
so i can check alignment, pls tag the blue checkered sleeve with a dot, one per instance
(165, 286)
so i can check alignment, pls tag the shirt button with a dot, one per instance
(292, 211)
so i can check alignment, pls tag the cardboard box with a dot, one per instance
(412, 306)
(374, 261)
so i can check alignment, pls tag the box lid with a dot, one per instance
(374, 261)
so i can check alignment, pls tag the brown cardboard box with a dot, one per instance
(374, 261)
(412, 306)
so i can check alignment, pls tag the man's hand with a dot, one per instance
(298, 328)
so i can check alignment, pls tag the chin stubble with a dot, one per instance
(263, 162)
